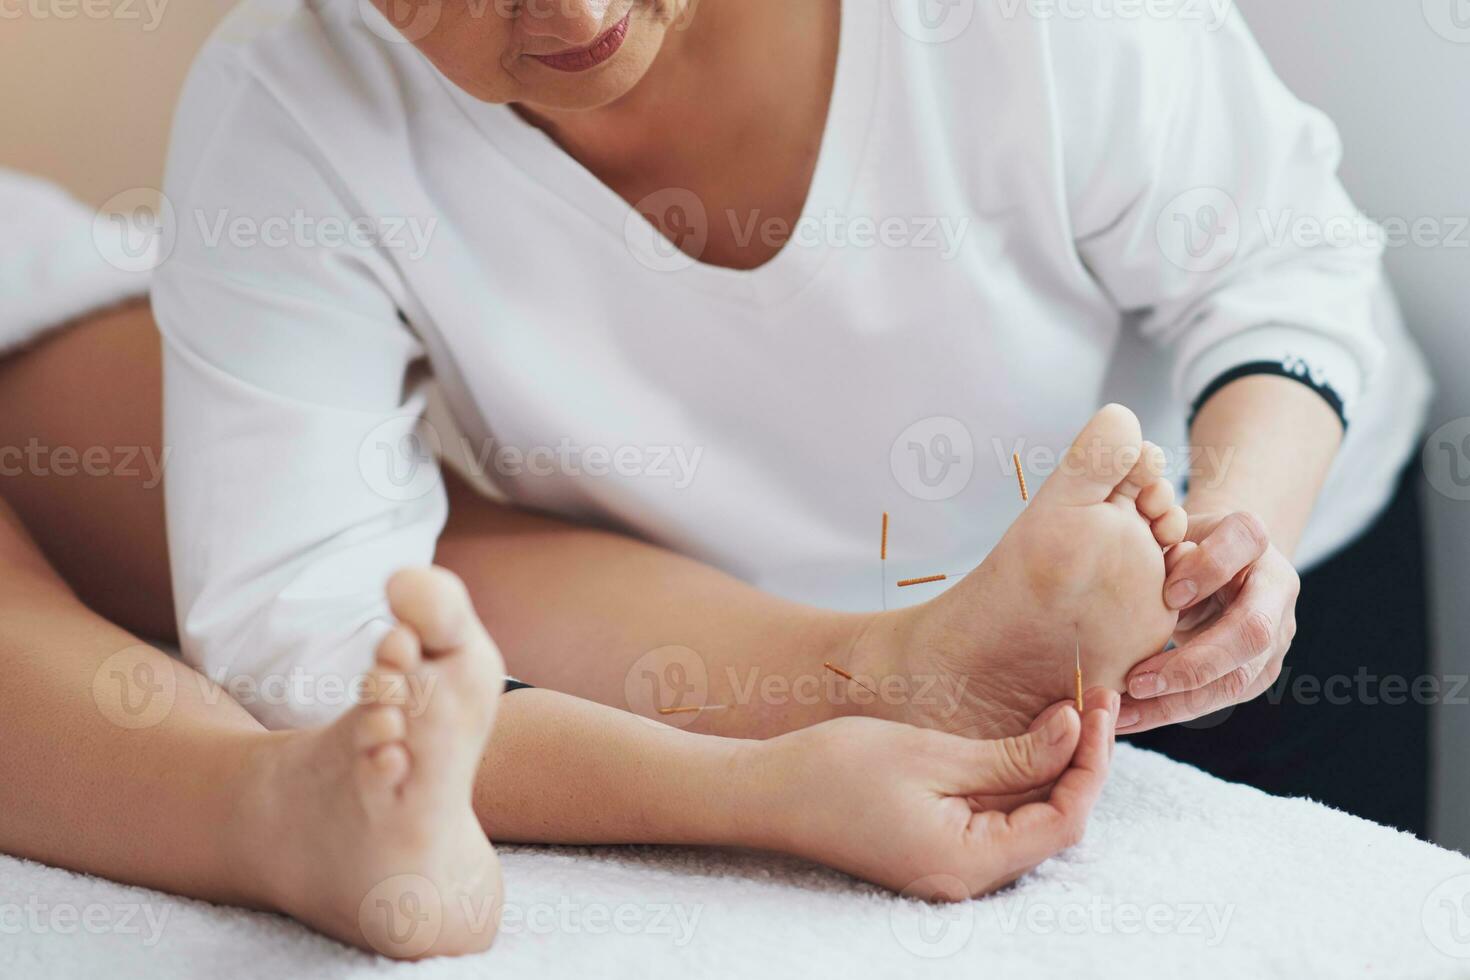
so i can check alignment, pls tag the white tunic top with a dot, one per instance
(989, 214)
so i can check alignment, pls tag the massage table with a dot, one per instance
(1180, 875)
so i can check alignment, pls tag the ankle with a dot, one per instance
(257, 823)
(877, 657)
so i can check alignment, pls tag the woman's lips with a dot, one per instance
(602, 49)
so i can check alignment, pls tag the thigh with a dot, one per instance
(81, 462)
(1343, 724)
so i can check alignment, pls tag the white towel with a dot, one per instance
(60, 259)
(1180, 875)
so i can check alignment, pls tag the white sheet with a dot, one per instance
(1234, 882)
(60, 259)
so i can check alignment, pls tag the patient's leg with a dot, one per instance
(121, 762)
(81, 436)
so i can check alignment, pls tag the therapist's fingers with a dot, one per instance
(1174, 554)
(1034, 832)
(1248, 630)
(1018, 764)
(1243, 684)
(1236, 542)
(1042, 790)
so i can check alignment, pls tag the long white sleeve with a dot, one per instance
(291, 407)
(1213, 211)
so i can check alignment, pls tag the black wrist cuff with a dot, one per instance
(1277, 369)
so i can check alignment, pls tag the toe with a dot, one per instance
(1170, 527)
(1155, 499)
(1102, 455)
(385, 767)
(400, 651)
(433, 603)
(1144, 474)
(379, 725)
(387, 687)
(1175, 554)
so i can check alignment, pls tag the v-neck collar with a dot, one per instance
(849, 118)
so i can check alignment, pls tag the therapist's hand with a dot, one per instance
(930, 814)
(1237, 599)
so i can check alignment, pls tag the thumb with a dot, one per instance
(1024, 762)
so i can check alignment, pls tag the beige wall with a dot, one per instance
(89, 98)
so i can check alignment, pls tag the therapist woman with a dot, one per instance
(737, 277)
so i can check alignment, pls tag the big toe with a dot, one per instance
(1099, 459)
(434, 603)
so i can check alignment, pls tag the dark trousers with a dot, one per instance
(1347, 723)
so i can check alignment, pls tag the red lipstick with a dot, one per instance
(589, 57)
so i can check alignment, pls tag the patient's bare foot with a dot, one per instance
(1083, 562)
(372, 837)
